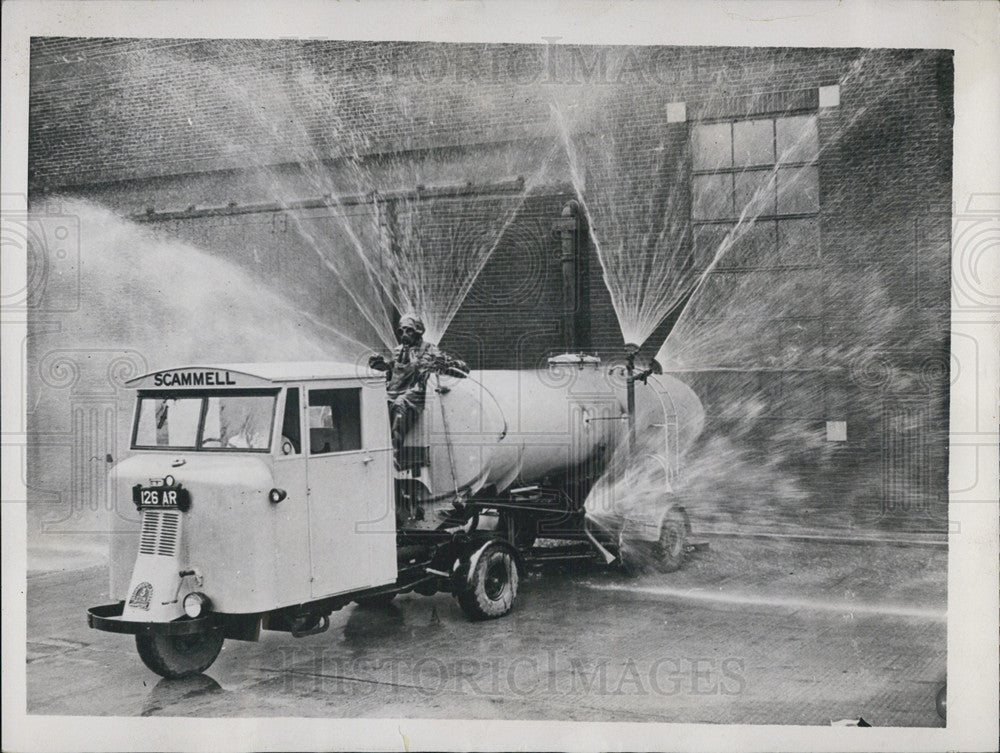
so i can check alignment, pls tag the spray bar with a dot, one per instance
(512, 185)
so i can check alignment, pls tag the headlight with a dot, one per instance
(276, 495)
(196, 604)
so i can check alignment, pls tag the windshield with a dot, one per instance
(216, 420)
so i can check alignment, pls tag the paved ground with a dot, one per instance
(751, 631)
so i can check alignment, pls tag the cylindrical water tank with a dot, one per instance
(505, 427)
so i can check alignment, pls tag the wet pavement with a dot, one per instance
(750, 631)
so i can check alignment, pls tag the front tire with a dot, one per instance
(493, 589)
(174, 656)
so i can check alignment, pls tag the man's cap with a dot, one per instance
(412, 320)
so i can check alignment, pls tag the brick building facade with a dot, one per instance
(187, 136)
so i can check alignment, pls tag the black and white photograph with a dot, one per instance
(539, 379)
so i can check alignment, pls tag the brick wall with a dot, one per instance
(166, 124)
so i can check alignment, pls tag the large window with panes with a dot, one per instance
(762, 169)
(759, 176)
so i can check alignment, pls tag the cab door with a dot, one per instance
(346, 486)
(293, 567)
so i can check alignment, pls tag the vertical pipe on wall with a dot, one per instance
(568, 228)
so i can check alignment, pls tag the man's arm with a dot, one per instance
(378, 363)
(441, 361)
(455, 363)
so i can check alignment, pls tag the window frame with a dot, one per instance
(203, 396)
(306, 404)
(280, 427)
(775, 218)
(733, 170)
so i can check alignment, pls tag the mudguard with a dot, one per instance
(465, 565)
(107, 617)
(646, 526)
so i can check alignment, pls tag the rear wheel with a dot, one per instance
(493, 588)
(665, 555)
(174, 656)
(669, 550)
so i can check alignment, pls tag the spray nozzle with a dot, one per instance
(641, 375)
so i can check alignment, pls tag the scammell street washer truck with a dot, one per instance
(268, 494)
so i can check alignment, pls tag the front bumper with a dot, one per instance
(107, 617)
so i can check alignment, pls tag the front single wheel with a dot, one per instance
(174, 656)
(493, 586)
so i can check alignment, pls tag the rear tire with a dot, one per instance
(174, 656)
(494, 586)
(670, 549)
(665, 555)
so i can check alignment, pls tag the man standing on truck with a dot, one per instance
(413, 360)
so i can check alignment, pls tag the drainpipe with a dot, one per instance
(567, 227)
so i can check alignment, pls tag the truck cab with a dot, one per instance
(258, 487)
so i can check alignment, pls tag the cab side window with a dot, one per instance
(334, 420)
(290, 424)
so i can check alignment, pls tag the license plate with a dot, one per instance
(160, 497)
